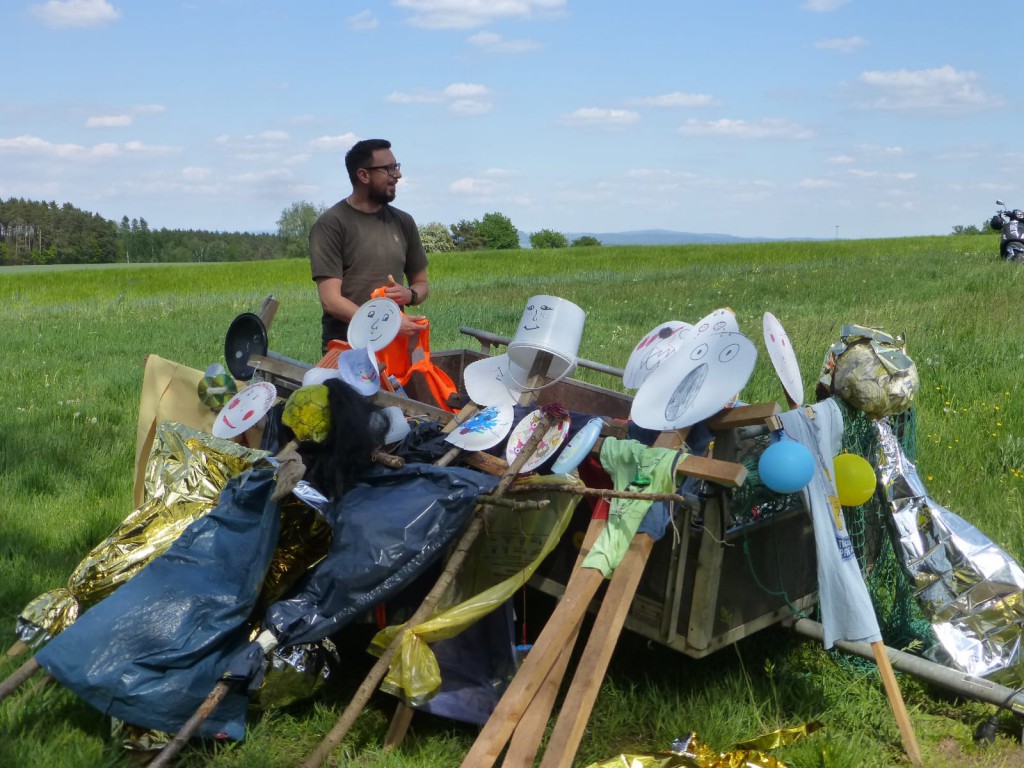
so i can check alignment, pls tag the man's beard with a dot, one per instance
(383, 197)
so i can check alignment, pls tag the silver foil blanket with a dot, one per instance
(970, 590)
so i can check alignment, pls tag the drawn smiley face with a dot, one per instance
(375, 324)
(536, 316)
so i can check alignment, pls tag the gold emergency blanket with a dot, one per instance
(500, 563)
(970, 590)
(185, 474)
(692, 752)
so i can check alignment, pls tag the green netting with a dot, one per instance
(901, 622)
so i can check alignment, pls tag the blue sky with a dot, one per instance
(773, 118)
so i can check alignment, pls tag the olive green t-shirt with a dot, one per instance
(362, 249)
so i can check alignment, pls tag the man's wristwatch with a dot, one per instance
(415, 297)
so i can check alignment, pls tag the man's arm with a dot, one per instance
(333, 303)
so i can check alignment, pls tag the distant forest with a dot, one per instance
(46, 233)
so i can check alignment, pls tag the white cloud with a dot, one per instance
(149, 149)
(842, 44)
(465, 91)
(595, 117)
(468, 14)
(463, 99)
(471, 186)
(840, 160)
(766, 128)
(943, 90)
(334, 143)
(108, 121)
(823, 6)
(273, 135)
(363, 20)
(35, 147)
(194, 174)
(260, 177)
(677, 99)
(901, 176)
(149, 109)
(469, 107)
(817, 184)
(489, 42)
(74, 13)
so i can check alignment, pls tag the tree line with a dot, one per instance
(40, 233)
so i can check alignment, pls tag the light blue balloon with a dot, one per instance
(786, 466)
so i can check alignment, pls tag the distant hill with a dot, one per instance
(653, 237)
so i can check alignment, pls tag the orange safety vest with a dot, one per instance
(403, 358)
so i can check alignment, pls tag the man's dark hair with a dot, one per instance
(361, 155)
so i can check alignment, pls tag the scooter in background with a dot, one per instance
(1010, 225)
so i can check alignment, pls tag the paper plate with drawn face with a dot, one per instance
(375, 324)
(488, 381)
(357, 367)
(484, 430)
(653, 349)
(547, 446)
(245, 410)
(695, 383)
(780, 350)
(722, 320)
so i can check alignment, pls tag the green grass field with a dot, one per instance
(73, 343)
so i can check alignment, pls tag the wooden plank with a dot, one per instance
(899, 710)
(743, 416)
(485, 462)
(708, 573)
(522, 749)
(728, 473)
(564, 621)
(268, 311)
(673, 439)
(413, 407)
(586, 683)
(292, 372)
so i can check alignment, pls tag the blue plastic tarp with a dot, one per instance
(386, 531)
(150, 653)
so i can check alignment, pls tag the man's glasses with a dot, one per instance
(391, 169)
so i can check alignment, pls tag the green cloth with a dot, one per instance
(634, 467)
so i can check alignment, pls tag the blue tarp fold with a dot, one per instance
(150, 653)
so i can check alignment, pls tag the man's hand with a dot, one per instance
(397, 293)
(412, 324)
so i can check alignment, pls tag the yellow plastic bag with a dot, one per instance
(512, 537)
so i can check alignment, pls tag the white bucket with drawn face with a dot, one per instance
(552, 325)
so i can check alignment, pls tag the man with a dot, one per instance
(361, 243)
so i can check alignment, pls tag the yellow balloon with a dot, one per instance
(855, 479)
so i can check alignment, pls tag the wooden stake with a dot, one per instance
(191, 726)
(18, 676)
(522, 749)
(892, 691)
(426, 609)
(586, 683)
(563, 624)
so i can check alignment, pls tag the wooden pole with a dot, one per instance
(454, 564)
(522, 749)
(892, 691)
(191, 726)
(18, 676)
(586, 683)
